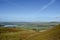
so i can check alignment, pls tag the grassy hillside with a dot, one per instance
(4, 30)
(51, 34)
(15, 33)
(23, 34)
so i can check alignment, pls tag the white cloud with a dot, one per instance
(45, 6)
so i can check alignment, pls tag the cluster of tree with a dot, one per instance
(1, 25)
(37, 30)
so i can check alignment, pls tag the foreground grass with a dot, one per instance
(15, 34)
(22, 34)
(51, 34)
(10, 36)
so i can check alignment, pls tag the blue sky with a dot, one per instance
(29, 10)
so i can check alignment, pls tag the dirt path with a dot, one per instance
(32, 35)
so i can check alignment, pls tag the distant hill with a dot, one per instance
(19, 23)
(13, 23)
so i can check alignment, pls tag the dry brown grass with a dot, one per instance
(22, 34)
(51, 34)
(15, 34)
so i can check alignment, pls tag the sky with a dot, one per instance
(29, 10)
